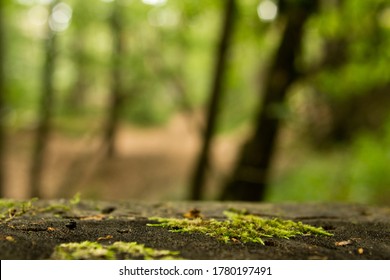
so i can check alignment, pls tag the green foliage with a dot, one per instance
(88, 250)
(316, 177)
(240, 227)
(193, 34)
(149, 109)
(358, 173)
(177, 41)
(363, 55)
(369, 168)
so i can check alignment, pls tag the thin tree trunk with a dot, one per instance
(2, 102)
(77, 95)
(202, 164)
(117, 96)
(45, 115)
(250, 175)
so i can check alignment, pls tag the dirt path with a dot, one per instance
(152, 164)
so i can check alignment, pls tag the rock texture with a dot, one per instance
(360, 231)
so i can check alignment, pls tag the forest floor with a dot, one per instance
(359, 232)
(159, 159)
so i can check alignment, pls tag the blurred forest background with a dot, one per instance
(182, 99)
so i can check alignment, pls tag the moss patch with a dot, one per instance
(88, 250)
(9, 209)
(240, 227)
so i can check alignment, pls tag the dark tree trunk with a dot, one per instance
(202, 164)
(251, 172)
(117, 96)
(45, 115)
(2, 102)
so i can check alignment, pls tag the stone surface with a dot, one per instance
(360, 231)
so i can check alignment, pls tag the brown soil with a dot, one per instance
(151, 163)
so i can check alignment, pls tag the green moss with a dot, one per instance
(240, 226)
(80, 251)
(9, 208)
(75, 199)
(88, 250)
(56, 208)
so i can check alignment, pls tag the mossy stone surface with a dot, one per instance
(34, 229)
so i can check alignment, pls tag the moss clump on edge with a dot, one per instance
(88, 250)
(240, 227)
(9, 208)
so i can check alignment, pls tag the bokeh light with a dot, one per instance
(60, 17)
(267, 10)
(154, 2)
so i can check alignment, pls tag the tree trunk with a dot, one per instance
(45, 115)
(251, 172)
(77, 96)
(81, 21)
(2, 102)
(117, 95)
(202, 164)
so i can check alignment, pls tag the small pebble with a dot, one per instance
(108, 210)
(71, 225)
